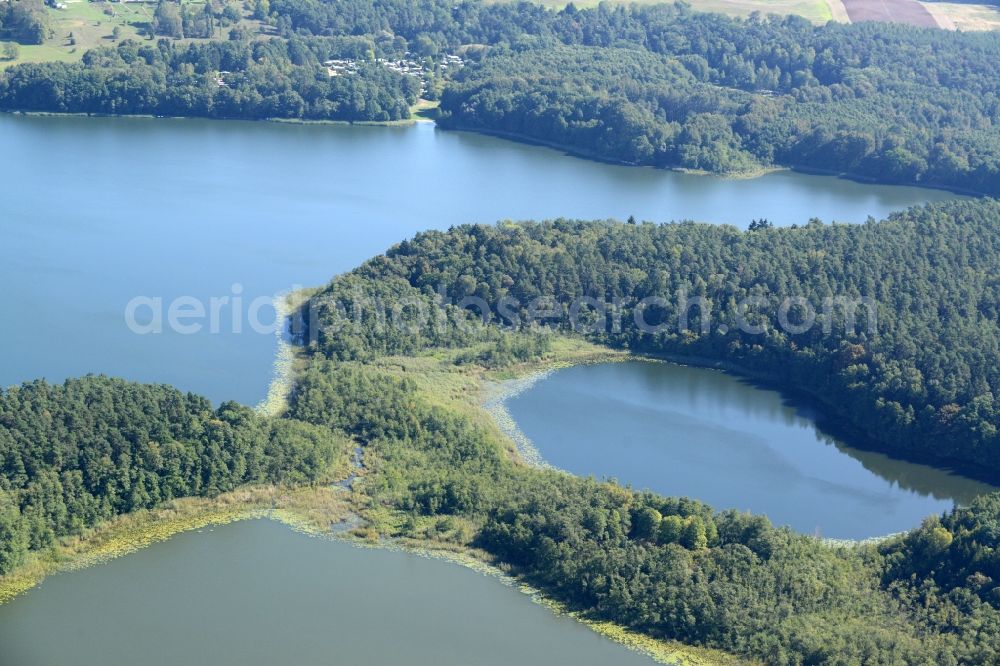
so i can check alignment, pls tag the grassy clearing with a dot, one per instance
(959, 16)
(424, 109)
(473, 391)
(41, 53)
(464, 387)
(86, 25)
(838, 11)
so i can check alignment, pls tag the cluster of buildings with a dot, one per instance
(338, 67)
(342, 66)
(450, 60)
(406, 65)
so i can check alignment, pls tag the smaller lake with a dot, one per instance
(257, 593)
(701, 433)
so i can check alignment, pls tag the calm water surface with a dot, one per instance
(257, 593)
(94, 212)
(701, 433)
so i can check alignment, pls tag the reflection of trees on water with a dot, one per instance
(926, 481)
(922, 479)
(709, 390)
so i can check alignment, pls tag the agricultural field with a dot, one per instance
(960, 16)
(817, 11)
(894, 11)
(947, 15)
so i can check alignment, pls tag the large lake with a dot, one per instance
(701, 433)
(258, 594)
(95, 212)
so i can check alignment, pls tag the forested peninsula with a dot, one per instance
(920, 381)
(437, 472)
(80, 453)
(658, 85)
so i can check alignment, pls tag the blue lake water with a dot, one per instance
(96, 212)
(701, 433)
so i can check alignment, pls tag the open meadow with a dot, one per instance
(84, 25)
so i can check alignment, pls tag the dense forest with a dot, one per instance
(638, 107)
(887, 102)
(235, 79)
(623, 104)
(654, 84)
(84, 451)
(915, 376)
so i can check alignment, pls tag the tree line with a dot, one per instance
(75, 454)
(234, 79)
(891, 103)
